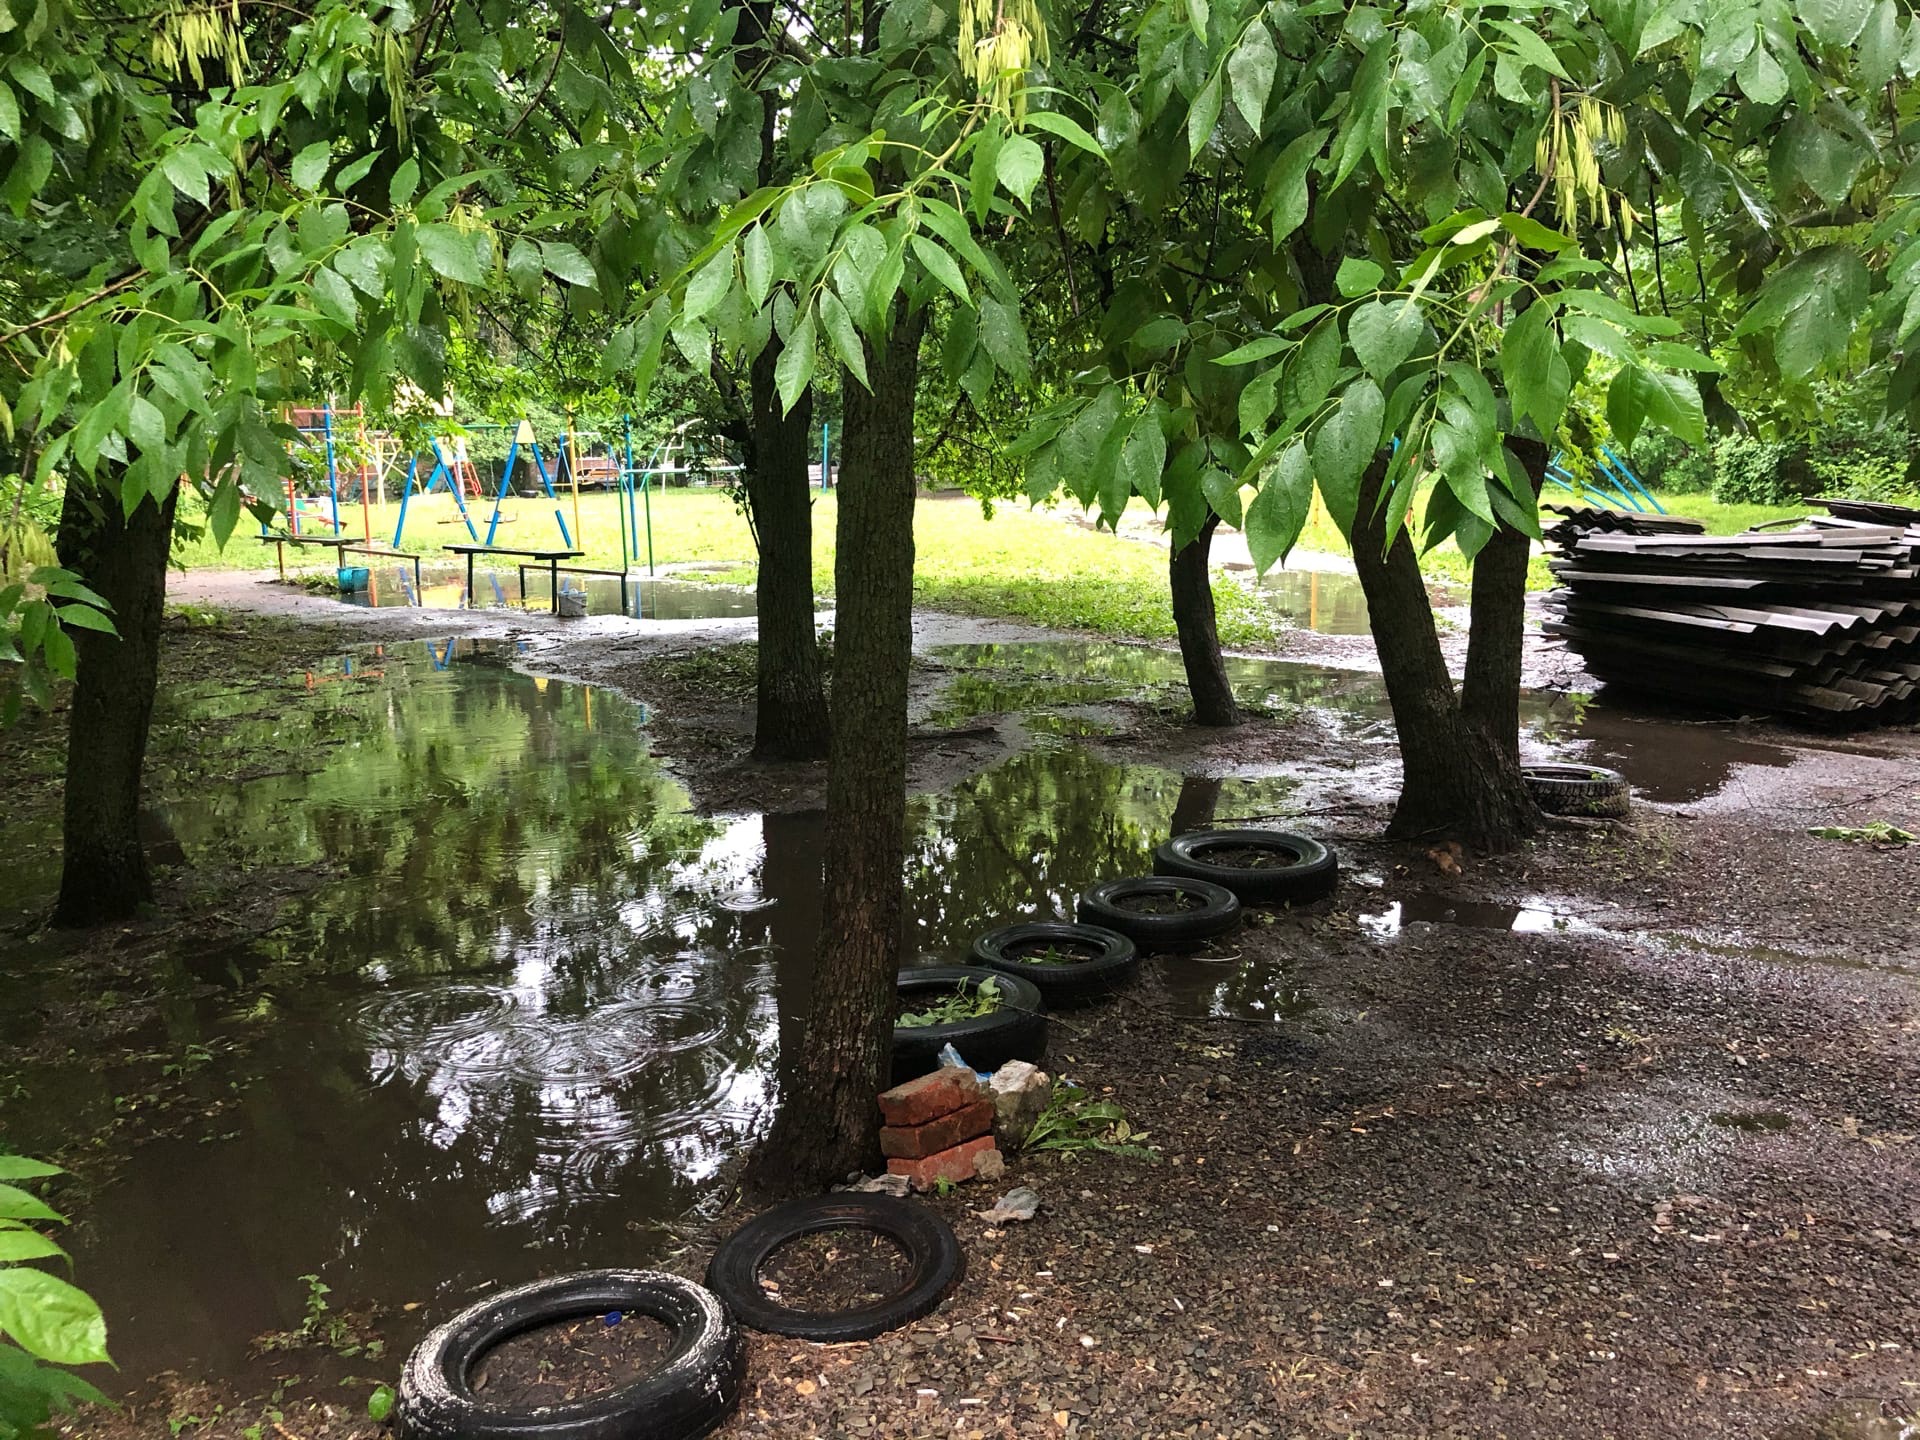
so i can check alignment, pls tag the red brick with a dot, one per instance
(930, 1096)
(954, 1165)
(916, 1142)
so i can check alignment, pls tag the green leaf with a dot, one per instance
(1809, 307)
(1004, 338)
(1201, 119)
(1019, 167)
(1356, 276)
(794, 369)
(9, 113)
(525, 268)
(1250, 71)
(49, 1318)
(1383, 334)
(85, 617)
(1222, 489)
(1761, 78)
(1834, 22)
(18, 1245)
(756, 264)
(1537, 376)
(1071, 131)
(19, 1167)
(451, 253)
(310, 166)
(565, 262)
(842, 335)
(187, 172)
(1143, 457)
(709, 285)
(1639, 398)
(380, 1404)
(1254, 350)
(335, 297)
(405, 182)
(1312, 369)
(1287, 183)
(1279, 511)
(1527, 46)
(1343, 448)
(942, 266)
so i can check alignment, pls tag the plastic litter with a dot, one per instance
(1019, 1203)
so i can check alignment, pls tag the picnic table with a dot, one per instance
(549, 558)
(339, 544)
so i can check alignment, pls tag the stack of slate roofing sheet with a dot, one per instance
(1820, 623)
(1581, 518)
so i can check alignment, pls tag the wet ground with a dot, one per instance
(526, 1006)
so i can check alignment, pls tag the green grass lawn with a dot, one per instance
(1019, 563)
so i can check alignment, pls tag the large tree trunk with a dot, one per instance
(104, 868)
(1458, 780)
(1490, 689)
(1193, 619)
(790, 709)
(828, 1122)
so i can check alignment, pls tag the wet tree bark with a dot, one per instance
(828, 1123)
(104, 873)
(1460, 780)
(1490, 689)
(790, 698)
(1194, 620)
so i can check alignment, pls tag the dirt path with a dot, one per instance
(1614, 1136)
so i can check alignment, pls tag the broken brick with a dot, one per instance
(930, 1096)
(916, 1142)
(952, 1165)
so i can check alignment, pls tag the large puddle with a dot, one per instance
(537, 1003)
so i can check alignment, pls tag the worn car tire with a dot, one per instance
(1218, 914)
(1309, 872)
(934, 1265)
(688, 1395)
(1114, 962)
(1016, 1031)
(1564, 789)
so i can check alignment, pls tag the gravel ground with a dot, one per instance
(1644, 1169)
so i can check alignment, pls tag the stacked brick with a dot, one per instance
(939, 1127)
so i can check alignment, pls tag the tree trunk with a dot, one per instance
(1199, 801)
(1490, 690)
(1458, 781)
(790, 707)
(1193, 619)
(103, 874)
(828, 1123)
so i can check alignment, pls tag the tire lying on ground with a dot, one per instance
(934, 1265)
(1213, 911)
(1015, 1030)
(688, 1394)
(1562, 789)
(1102, 958)
(1292, 867)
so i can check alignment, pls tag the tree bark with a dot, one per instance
(1197, 804)
(104, 873)
(790, 698)
(1490, 689)
(1459, 781)
(828, 1123)
(1195, 622)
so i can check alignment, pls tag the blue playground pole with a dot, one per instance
(441, 467)
(413, 469)
(1620, 466)
(333, 475)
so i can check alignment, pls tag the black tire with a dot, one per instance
(1016, 1031)
(1309, 870)
(1114, 961)
(934, 1265)
(1562, 789)
(692, 1391)
(1218, 914)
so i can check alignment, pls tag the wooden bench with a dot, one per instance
(340, 545)
(549, 558)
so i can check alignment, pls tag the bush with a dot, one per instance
(1751, 471)
(1663, 461)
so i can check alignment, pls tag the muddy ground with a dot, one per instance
(1643, 1167)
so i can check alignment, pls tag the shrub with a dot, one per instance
(1751, 471)
(1663, 461)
